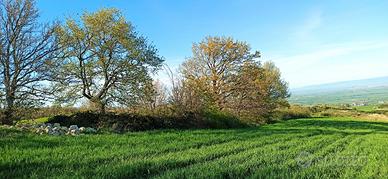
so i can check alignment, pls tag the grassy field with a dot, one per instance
(308, 148)
(368, 95)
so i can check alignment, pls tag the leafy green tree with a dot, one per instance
(104, 60)
(213, 62)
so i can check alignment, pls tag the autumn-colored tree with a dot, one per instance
(184, 96)
(258, 90)
(104, 59)
(213, 62)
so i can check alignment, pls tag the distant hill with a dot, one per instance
(371, 91)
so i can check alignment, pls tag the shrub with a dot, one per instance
(85, 119)
(293, 112)
(221, 120)
(135, 122)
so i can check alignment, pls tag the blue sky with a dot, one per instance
(311, 41)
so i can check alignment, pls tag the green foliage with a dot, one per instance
(304, 148)
(140, 121)
(34, 121)
(217, 119)
(293, 112)
(103, 59)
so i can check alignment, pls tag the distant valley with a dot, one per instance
(367, 91)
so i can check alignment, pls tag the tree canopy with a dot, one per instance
(103, 59)
(223, 73)
(213, 62)
(258, 91)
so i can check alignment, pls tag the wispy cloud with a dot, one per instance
(334, 62)
(325, 52)
(304, 32)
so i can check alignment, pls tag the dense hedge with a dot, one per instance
(133, 122)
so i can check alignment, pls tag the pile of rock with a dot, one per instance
(56, 129)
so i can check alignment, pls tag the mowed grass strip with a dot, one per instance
(334, 147)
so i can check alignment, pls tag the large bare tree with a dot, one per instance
(25, 48)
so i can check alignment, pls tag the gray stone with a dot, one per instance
(73, 127)
(47, 130)
(65, 129)
(73, 132)
(56, 133)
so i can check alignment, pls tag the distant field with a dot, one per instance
(367, 95)
(308, 148)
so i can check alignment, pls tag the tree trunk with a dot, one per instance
(8, 116)
(98, 105)
(9, 110)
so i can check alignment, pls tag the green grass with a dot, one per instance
(34, 121)
(307, 148)
(369, 108)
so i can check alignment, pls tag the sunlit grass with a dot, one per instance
(34, 121)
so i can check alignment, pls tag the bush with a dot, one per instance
(85, 119)
(221, 120)
(134, 122)
(130, 122)
(293, 112)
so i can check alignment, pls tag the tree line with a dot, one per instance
(100, 57)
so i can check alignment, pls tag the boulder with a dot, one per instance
(49, 125)
(64, 129)
(73, 127)
(73, 132)
(56, 129)
(48, 129)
